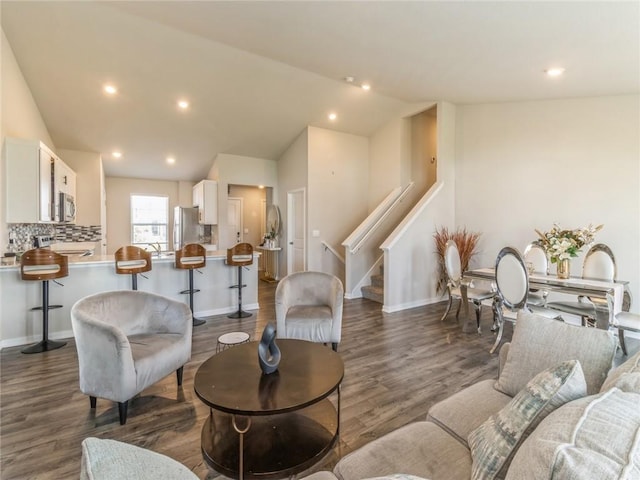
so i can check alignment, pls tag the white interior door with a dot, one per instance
(234, 221)
(296, 231)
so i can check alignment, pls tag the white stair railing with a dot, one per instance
(362, 246)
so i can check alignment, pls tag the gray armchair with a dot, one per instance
(309, 307)
(127, 341)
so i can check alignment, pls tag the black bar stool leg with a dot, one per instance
(45, 345)
(196, 321)
(134, 281)
(239, 313)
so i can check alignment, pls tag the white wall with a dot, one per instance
(338, 175)
(292, 175)
(239, 170)
(119, 191)
(20, 117)
(252, 204)
(411, 267)
(88, 168)
(527, 165)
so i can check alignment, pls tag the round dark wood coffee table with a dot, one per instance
(264, 426)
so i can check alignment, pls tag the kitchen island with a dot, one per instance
(93, 274)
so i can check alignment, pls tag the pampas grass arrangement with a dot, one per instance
(466, 242)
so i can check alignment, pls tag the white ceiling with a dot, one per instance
(257, 73)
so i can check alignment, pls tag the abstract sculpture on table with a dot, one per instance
(268, 351)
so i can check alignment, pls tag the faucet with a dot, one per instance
(156, 247)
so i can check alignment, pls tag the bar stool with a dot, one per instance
(240, 256)
(190, 257)
(44, 265)
(132, 260)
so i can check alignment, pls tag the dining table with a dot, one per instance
(614, 293)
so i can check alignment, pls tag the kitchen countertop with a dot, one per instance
(105, 259)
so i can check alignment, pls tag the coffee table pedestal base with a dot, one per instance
(274, 446)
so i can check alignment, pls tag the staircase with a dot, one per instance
(375, 291)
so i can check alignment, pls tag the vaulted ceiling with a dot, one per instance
(257, 73)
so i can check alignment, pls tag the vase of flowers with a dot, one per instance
(561, 245)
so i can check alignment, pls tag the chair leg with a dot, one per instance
(45, 345)
(92, 401)
(179, 375)
(334, 346)
(122, 411)
(498, 315)
(458, 309)
(478, 314)
(623, 346)
(448, 309)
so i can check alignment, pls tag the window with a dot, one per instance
(150, 221)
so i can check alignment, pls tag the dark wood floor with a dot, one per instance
(396, 367)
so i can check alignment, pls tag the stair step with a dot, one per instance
(373, 293)
(377, 281)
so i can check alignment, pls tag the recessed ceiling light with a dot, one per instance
(110, 89)
(260, 186)
(554, 72)
(349, 79)
(117, 154)
(365, 86)
(332, 116)
(183, 104)
(171, 160)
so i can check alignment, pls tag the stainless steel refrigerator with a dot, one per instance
(185, 226)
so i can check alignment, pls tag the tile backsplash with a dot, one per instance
(23, 233)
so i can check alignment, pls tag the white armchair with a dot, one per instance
(309, 307)
(127, 341)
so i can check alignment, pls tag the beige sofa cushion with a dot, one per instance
(467, 409)
(626, 377)
(596, 437)
(110, 460)
(420, 448)
(539, 343)
(494, 443)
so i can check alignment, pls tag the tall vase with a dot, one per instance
(563, 268)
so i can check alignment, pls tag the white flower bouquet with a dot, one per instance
(563, 244)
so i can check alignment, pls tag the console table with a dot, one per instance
(276, 425)
(270, 261)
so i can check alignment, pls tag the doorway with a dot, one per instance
(234, 220)
(296, 231)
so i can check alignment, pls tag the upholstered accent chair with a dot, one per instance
(128, 340)
(512, 281)
(454, 272)
(309, 307)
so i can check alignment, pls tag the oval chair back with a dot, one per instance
(537, 257)
(452, 262)
(512, 280)
(599, 263)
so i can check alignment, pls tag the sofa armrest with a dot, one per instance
(502, 356)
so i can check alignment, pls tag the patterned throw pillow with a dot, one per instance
(494, 443)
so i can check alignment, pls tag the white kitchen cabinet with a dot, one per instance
(65, 178)
(28, 181)
(205, 197)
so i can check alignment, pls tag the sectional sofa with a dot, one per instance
(556, 411)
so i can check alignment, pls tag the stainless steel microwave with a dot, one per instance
(67, 207)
